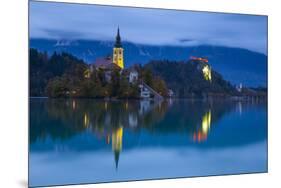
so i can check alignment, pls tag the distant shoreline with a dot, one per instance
(233, 98)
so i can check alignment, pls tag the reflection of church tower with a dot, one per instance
(118, 51)
(117, 144)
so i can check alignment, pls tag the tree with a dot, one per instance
(115, 82)
(159, 85)
(147, 76)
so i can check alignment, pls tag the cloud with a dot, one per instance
(147, 26)
(66, 34)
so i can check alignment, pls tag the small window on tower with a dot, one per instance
(120, 52)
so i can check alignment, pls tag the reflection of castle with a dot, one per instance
(202, 133)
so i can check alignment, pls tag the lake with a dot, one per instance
(75, 141)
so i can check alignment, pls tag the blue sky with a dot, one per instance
(147, 26)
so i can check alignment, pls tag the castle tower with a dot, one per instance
(118, 51)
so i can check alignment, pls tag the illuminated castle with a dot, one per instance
(118, 51)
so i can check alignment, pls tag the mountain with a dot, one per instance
(235, 64)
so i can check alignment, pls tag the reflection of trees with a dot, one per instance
(51, 119)
(107, 120)
(194, 118)
(63, 118)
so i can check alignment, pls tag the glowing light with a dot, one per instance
(206, 122)
(118, 57)
(199, 59)
(87, 73)
(116, 138)
(202, 133)
(86, 120)
(207, 73)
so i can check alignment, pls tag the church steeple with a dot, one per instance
(118, 51)
(118, 40)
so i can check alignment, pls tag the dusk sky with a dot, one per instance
(147, 26)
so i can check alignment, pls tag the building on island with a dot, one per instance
(239, 88)
(170, 93)
(133, 76)
(116, 62)
(147, 92)
(103, 63)
(144, 92)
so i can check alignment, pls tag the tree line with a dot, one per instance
(63, 75)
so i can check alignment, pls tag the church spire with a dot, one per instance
(118, 40)
(118, 51)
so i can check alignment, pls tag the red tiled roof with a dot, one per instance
(105, 63)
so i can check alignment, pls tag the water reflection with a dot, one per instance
(58, 119)
(118, 127)
(202, 133)
(117, 144)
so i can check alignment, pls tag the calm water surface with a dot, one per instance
(89, 141)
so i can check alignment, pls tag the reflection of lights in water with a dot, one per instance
(170, 101)
(133, 120)
(116, 138)
(126, 105)
(86, 120)
(204, 129)
(207, 73)
(159, 107)
(73, 104)
(206, 122)
(105, 105)
(144, 106)
(199, 137)
(240, 107)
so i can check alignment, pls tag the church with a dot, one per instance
(114, 61)
(118, 51)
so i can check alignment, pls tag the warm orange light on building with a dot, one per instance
(199, 59)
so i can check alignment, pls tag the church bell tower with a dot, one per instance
(118, 51)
